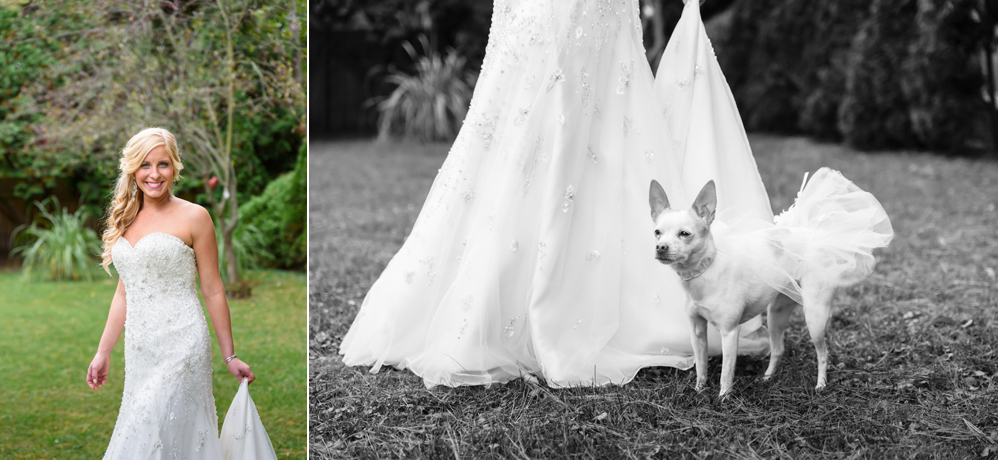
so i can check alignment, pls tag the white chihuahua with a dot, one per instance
(726, 288)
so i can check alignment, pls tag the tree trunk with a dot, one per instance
(296, 33)
(989, 64)
(230, 254)
(230, 228)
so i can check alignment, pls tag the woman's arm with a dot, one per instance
(206, 254)
(101, 364)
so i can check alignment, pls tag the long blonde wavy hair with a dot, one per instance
(124, 205)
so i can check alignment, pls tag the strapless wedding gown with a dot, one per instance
(167, 409)
(533, 253)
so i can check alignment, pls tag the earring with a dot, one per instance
(134, 191)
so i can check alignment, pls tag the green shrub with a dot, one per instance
(280, 215)
(271, 142)
(431, 104)
(61, 248)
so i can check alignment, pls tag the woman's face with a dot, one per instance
(156, 173)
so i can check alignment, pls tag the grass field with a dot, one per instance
(913, 349)
(49, 334)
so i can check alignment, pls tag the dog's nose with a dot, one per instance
(662, 248)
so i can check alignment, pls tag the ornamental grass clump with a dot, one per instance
(59, 245)
(431, 104)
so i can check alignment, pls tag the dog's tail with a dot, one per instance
(841, 224)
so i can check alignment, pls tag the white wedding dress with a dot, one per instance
(533, 253)
(167, 409)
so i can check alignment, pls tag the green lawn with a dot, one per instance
(914, 349)
(49, 334)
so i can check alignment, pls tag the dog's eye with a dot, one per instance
(684, 234)
(658, 233)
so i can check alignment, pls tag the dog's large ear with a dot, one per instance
(657, 199)
(706, 202)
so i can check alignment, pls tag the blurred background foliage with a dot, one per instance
(875, 74)
(78, 78)
(357, 48)
(280, 213)
(880, 74)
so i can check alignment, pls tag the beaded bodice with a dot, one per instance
(162, 263)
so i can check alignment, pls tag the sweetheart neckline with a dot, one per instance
(174, 237)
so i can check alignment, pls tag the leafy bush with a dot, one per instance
(431, 104)
(877, 74)
(763, 67)
(825, 62)
(269, 143)
(62, 248)
(944, 82)
(280, 215)
(874, 113)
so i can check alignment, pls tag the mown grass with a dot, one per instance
(913, 348)
(49, 333)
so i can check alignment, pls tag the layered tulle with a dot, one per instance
(837, 226)
(824, 241)
(533, 253)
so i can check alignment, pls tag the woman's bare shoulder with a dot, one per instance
(197, 216)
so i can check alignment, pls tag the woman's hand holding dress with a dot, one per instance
(239, 369)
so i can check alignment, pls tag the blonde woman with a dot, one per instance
(161, 247)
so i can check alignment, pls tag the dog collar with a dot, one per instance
(702, 267)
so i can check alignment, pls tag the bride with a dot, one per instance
(533, 253)
(161, 246)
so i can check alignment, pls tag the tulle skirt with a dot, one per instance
(824, 241)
